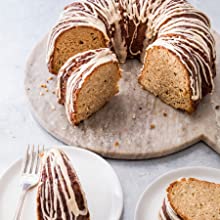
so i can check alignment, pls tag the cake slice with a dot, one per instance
(60, 195)
(191, 199)
(86, 82)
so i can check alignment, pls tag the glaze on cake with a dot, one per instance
(60, 195)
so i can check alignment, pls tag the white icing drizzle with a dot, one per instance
(110, 11)
(173, 24)
(92, 59)
(58, 170)
(138, 15)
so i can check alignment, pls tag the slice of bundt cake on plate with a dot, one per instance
(86, 82)
(60, 195)
(191, 199)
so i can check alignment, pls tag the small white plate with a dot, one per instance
(98, 179)
(151, 200)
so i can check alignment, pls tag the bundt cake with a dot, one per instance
(170, 37)
(191, 199)
(86, 82)
(60, 195)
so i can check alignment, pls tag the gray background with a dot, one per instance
(22, 24)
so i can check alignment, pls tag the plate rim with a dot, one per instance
(118, 214)
(140, 198)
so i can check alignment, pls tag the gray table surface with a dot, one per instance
(22, 24)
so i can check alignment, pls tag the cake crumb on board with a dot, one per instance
(152, 126)
(116, 144)
(165, 114)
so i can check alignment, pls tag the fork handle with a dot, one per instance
(21, 202)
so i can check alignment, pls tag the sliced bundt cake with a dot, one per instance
(60, 195)
(172, 39)
(191, 199)
(86, 82)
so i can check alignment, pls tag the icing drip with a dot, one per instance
(90, 61)
(56, 190)
(137, 15)
(110, 14)
(132, 27)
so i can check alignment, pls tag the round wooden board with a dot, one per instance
(133, 125)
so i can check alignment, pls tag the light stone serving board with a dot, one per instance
(123, 128)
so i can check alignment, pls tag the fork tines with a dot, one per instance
(31, 162)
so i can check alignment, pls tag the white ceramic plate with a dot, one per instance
(99, 181)
(151, 200)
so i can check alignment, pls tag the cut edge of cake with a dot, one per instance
(75, 40)
(166, 77)
(109, 90)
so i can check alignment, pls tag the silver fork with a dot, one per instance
(29, 175)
